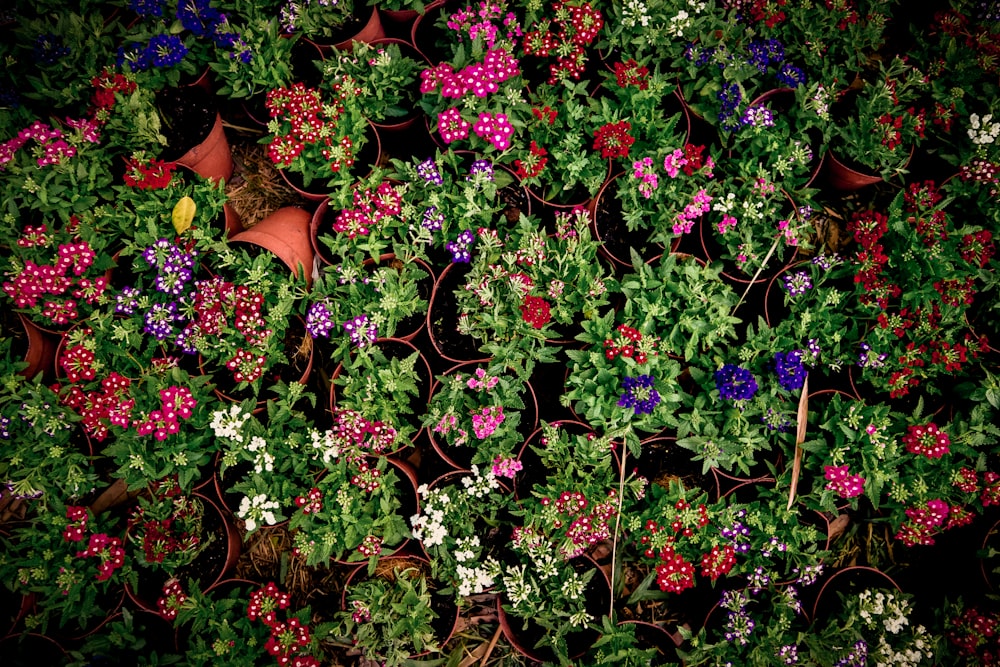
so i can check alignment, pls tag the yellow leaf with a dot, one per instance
(183, 214)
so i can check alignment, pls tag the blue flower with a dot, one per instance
(199, 17)
(791, 372)
(790, 76)
(318, 320)
(147, 8)
(165, 50)
(49, 49)
(735, 383)
(639, 394)
(459, 248)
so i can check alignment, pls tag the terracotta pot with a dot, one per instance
(285, 233)
(841, 177)
(424, 31)
(212, 158)
(598, 597)
(729, 484)
(460, 458)
(399, 17)
(41, 352)
(655, 635)
(207, 573)
(444, 625)
(582, 198)
(442, 319)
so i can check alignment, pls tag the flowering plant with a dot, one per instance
(166, 526)
(917, 318)
(668, 191)
(561, 36)
(723, 72)
(480, 88)
(317, 19)
(259, 59)
(544, 580)
(352, 298)
(620, 377)
(458, 526)
(313, 134)
(879, 129)
(684, 541)
(383, 388)
(72, 560)
(659, 26)
(172, 40)
(41, 456)
(574, 140)
(684, 302)
(370, 220)
(525, 285)
(475, 415)
(55, 271)
(757, 223)
(389, 616)
(245, 627)
(387, 79)
(450, 196)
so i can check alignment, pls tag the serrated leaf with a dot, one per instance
(183, 214)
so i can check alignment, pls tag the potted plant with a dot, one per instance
(523, 286)
(381, 76)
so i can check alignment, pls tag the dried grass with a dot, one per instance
(256, 189)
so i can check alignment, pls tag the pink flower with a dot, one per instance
(842, 483)
(495, 128)
(452, 126)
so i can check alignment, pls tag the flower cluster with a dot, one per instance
(536, 311)
(840, 481)
(735, 383)
(307, 128)
(371, 208)
(639, 394)
(108, 550)
(168, 526)
(665, 542)
(613, 139)
(631, 344)
(171, 601)
(60, 286)
(290, 639)
(583, 522)
(927, 440)
(925, 521)
(151, 174)
(790, 369)
(480, 79)
(565, 37)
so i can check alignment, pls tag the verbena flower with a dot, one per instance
(639, 394)
(790, 370)
(735, 383)
(165, 50)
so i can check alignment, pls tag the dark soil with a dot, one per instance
(443, 317)
(188, 115)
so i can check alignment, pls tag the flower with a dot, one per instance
(735, 383)
(536, 311)
(927, 440)
(790, 370)
(639, 394)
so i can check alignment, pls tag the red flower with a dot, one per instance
(927, 440)
(613, 139)
(536, 311)
(674, 574)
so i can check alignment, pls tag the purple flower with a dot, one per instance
(160, 318)
(433, 219)
(5, 428)
(790, 370)
(361, 331)
(867, 358)
(758, 117)
(459, 248)
(735, 383)
(483, 167)
(428, 170)
(639, 394)
(126, 302)
(185, 340)
(318, 320)
(796, 283)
